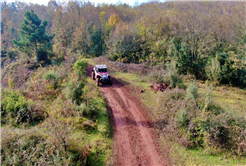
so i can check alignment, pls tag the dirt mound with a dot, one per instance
(159, 87)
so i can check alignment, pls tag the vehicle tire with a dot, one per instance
(97, 81)
(110, 81)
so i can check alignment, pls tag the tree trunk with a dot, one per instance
(36, 51)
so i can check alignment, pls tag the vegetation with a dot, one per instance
(197, 123)
(51, 122)
(32, 35)
(198, 36)
(52, 114)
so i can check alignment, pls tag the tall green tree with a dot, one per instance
(33, 35)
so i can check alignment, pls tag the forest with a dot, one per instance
(52, 113)
(206, 39)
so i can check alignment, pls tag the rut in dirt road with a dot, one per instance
(134, 139)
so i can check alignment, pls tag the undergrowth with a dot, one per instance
(60, 118)
(195, 117)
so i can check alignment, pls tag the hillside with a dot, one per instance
(178, 94)
(57, 116)
(169, 112)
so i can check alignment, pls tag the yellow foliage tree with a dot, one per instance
(113, 20)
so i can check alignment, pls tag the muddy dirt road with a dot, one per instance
(134, 140)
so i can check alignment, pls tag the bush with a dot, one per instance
(172, 78)
(24, 148)
(11, 55)
(91, 111)
(157, 76)
(74, 91)
(179, 51)
(52, 77)
(15, 109)
(79, 68)
(213, 71)
(182, 118)
(228, 72)
(192, 92)
(169, 103)
(52, 146)
(169, 76)
(12, 102)
(195, 121)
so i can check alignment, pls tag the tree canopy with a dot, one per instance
(33, 35)
(190, 33)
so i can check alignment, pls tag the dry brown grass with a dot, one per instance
(141, 69)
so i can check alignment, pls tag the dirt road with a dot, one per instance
(134, 139)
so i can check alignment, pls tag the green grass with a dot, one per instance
(227, 97)
(181, 155)
(99, 137)
(200, 158)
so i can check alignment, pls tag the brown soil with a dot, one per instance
(135, 141)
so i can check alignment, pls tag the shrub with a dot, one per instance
(12, 102)
(179, 51)
(213, 71)
(11, 55)
(52, 77)
(17, 72)
(228, 71)
(74, 91)
(79, 68)
(169, 103)
(91, 111)
(195, 121)
(11, 83)
(182, 118)
(24, 148)
(192, 92)
(16, 109)
(38, 146)
(62, 108)
(172, 78)
(157, 76)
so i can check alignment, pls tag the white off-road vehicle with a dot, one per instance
(100, 74)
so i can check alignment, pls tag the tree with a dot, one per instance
(32, 34)
(213, 71)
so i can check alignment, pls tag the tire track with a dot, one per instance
(134, 139)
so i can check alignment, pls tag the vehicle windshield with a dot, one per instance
(102, 70)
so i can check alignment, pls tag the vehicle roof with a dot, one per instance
(101, 66)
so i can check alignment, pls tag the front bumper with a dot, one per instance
(104, 79)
